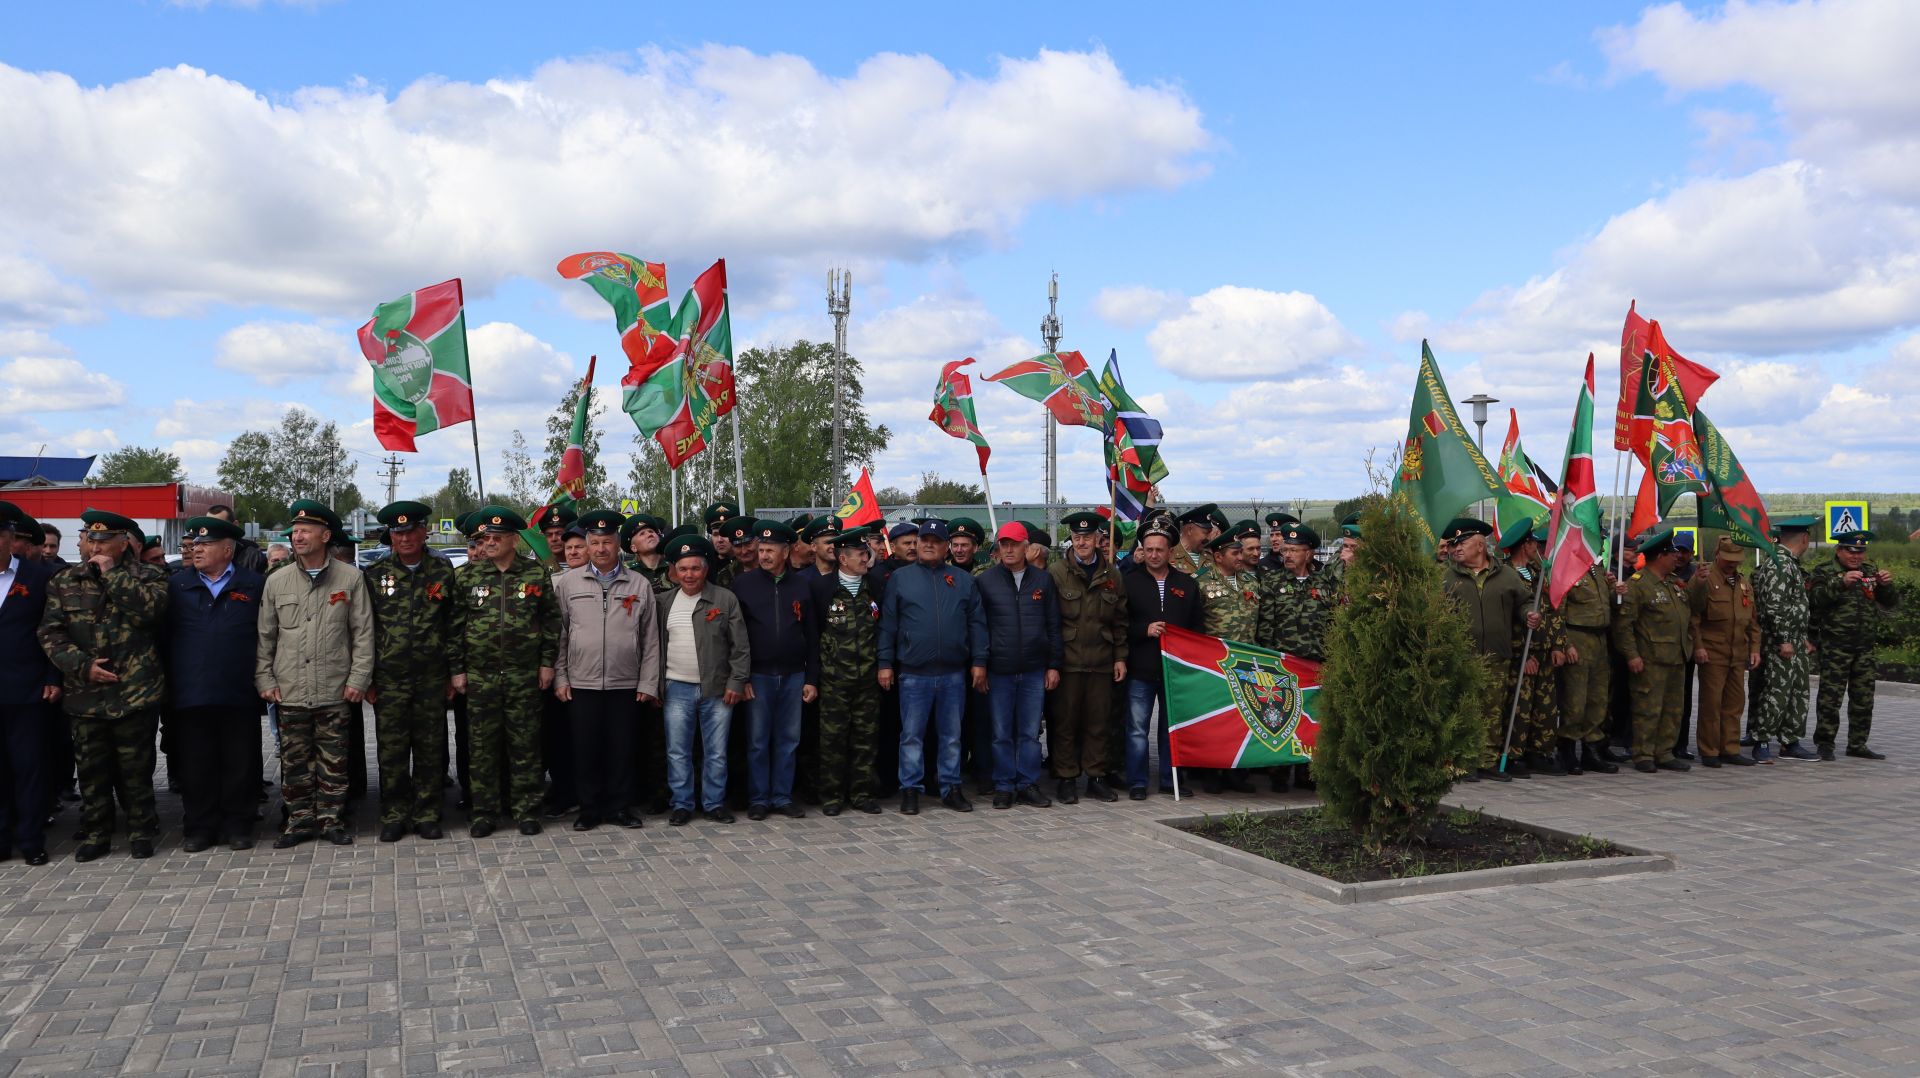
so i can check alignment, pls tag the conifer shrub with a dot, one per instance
(1399, 688)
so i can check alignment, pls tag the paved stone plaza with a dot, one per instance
(1020, 943)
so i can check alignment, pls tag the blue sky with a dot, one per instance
(1262, 207)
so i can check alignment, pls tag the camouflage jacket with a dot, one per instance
(1294, 612)
(506, 621)
(1845, 617)
(1780, 589)
(659, 578)
(1654, 622)
(413, 616)
(849, 630)
(1197, 566)
(1232, 606)
(1551, 636)
(114, 615)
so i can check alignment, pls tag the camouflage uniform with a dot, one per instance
(1294, 612)
(1586, 613)
(413, 613)
(1197, 566)
(112, 615)
(507, 627)
(1538, 719)
(1653, 627)
(1846, 620)
(849, 694)
(1780, 589)
(1232, 606)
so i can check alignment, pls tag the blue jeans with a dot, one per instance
(685, 708)
(1017, 703)
(944, 696)
(1141, 696)
(773, 735)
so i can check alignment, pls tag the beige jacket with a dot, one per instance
(316, 635)
(608, 639)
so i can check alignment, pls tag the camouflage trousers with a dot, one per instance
(849, 737)
(313, 764)
(1657, 692)
(1535, 724)
(410, 732)
(1585, 687)
(1848, 674)
(1780, 710)
(503, 722)
(115, 760)
(1080, 725)
(1493, 710)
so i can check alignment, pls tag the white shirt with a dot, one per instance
(683, 655)
(7, 577)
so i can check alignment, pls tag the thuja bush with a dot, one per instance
(1398, 689)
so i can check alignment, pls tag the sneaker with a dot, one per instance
(1003, 799)
(956, 799)
(1793, 750)
(1031, 795)
(1763, 753)
(1100, 791)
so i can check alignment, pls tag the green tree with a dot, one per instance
(559, 431)
(518, 474)
(301, 458)
(137, 464)
(247, 473)
(892, 496)
(937, 491)
(1399, 690)
(648, 481)
(786, 424)
(457, 496)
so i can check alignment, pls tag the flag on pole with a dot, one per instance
(680, 389)
(1143, 430)
(1231, 704)
(1575, 540)
(1061, 382)
(417, 345)
(1633, 352)
(1441, 470)
(635, 288)
(953, 408)
(1664, 417)
(1690, 382)
(1526, 493)
(861, 507)
(572, 480)
(1732, 503)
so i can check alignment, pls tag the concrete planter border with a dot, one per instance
(1635, 861)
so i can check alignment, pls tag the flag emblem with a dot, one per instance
(1434, 424)
(1270, 697)
(1412, 466)
(409, 363)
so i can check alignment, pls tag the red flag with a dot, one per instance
(572, 479)
(861, 506)
(1574, 538)
(1633, 352)
(1633, 429)
(1646, 505)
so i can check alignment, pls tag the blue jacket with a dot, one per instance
(210, 642)
(25, 670)
(931, 621)
(1023, 624)
(782, 631)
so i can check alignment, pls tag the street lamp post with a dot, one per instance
(1480, 401)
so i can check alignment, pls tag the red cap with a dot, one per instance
(1013, 530)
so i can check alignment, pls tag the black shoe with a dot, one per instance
(558, 812)
(1100, 791)
(1866, 753)
(340, 836)
(1069, 791)
(429, 831)
(1682, 754)
(1494, 775)
(1518, 768)
(290, 839)
(1568, 756)
(1003, 799)
(191, 844)
(658, 804)
(1826, 753)
(140, 848)
(480, 828)
(628, 819)
(831, 808)
(90, 851)
(1646, 767)
(587, 822)
(720, 815)
(1136, 793)
(910, 802)
(1675, 764)
(1545, 765)
(1618, 756)
(1031, 795)
(791, 810)
(1739, 760)
(1471, 776)
(868, 805)
(34, 857)
(757, 812)
(956, 799)
(1710, 761)
(393, 832)
(1591, 760)
(679, 817)
(529, 827)
(240, 840)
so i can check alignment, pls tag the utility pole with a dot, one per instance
(1050, 332)
(392, 475)
(839, 301)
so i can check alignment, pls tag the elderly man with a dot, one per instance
(704, 653)
(1158, 595)
(100, 627)
(29, 692)
(1494, 600)
(213, 627)
(415, 610)
(933, 643)
(1726, 646)
(608, 667)
(315, 660)
(246, 553)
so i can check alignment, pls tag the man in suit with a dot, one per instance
(29, 689)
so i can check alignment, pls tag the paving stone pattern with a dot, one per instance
(1029, 942)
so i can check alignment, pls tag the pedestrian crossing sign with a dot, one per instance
(629, 506)
(1843, 517)
(446, 525)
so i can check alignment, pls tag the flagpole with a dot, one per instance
(473, 421)
(673, 498)
(1520, 680)
(993, 523)
(739, 473)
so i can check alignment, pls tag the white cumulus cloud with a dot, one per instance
(273, 353)
(1237, 334)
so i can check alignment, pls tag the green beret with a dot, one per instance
(497, 519)
(822, 525)
(1461, 527)
(1278, 519)
(100, 524)
(204, 529)
(772, 531)
(1518, 532)
(1298, 534)
(601, 522)
(1083, 523)
(403, 516)
(852, 538)
(968, 527)
(308, 511)
(688, 546)
(717, 512)
(739, 529)
(554, 516)
(1854, 540)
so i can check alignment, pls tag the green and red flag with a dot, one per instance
(1231, 704)
(635, 288)
(1664, 417)
(1690, 382)
(1441, 471)
(1732, 503)
(417, 345)
(861, 507)
(572, 480)
(1525, 491)
(1061, 382)
(1575, 542)
(953, 408)
(684, 384)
